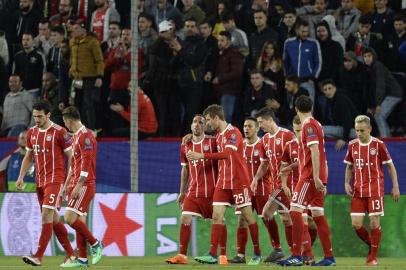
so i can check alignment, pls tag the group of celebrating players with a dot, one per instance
(51, 147)
(283, 171)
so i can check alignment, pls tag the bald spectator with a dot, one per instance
(65, 12)
(17, 108)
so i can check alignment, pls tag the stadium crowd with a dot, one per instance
(347, 55)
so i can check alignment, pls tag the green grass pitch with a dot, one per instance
(158, 263)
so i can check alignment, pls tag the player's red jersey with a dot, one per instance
(274, 146)
(312, 133)
(291, 155)
(203, 172)
(48, 146)
(253, 154)
(83, 161)
(233, 172)
(368, 160)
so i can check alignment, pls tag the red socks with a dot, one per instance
(288, 234)
(364, 235)
(81, 227)
(307, 243)
(313, 235)
(376, 235)
(62, 235)
(324, 234)
(46, 234)
(223, 241)
(242, 239)
(216, 231)
(185, 231)
(254, 237)
(297, 232)
(81, 245)
(273, 232)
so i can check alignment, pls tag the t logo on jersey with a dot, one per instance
(359, 162)
(35, 148)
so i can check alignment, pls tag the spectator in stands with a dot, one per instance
(30, 64)
(287, 28)
(191, 10)
(355, 82)
(331, 51)
(293, 91)
(216, 20)
(334, 34)
(147, 123)
(160, 75)
(313, 14)
(50, 92)
(4, 52)
(101, 19)
(113, 38)
(17, 108)
(43, 40)
(190, 56)
(338, 118)
(302, 57)
(209, 7)
(347, 18)
(65, 12)
(119, 64)
(14, 163)
(227, 79)
(55, 55)
(83, 9)
(210, 63)
(382, 18)
(388, 91)
(258, 95)
(258, 38)
(392, 60)
(164, 11)
(147, 34)
(238, 37)
(87, 70)
(64, 79)
(363, 38)
(27, 21)
(270, 63)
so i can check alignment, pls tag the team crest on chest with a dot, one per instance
(49, 138)
(372, 151)
(278, 141)
(206, 147)
(310, 130)
(224, 140)
(294, 152)
(256, 153)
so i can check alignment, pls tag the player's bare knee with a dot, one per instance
(242, 223)
(186, 219)
(47, 215)
(70, 217)
(217, 218)
(56, 217)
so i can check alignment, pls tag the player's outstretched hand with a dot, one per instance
(20, 184)
(194, 156)
(180, 200)
(319, 185)
(254, 185)
(348, 189)
(395, 194)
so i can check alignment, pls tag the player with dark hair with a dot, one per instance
(365, 158)
(80, 186)
(200, 177)
(232, 187)
(47, 144)
(310, 190)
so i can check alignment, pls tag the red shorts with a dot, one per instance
(80, 204)
(201, 207)
(281, 199)
(371, 205)
(258, 204)
(306, 196)
(50, 196)
(238, 197)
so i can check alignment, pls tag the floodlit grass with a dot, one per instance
(159, 263)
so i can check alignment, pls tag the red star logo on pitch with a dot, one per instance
(118, 225)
